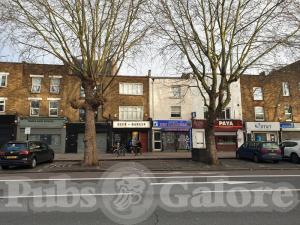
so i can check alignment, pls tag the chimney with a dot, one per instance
(149, 73)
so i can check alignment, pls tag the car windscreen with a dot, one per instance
(270, 145)
(14, 146)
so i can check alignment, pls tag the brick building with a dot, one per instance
(271, 104)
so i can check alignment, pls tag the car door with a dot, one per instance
(251, 150)
(44, 152)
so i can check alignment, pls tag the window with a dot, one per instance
(2, 105)
(176, 91)
(54, 85)
(3, 79)
(175, 111)
(288, 113)
(225, 114)
(131, 88)
(34, 108)
(82, 94)
(257, 93)
(259, 113)
(53, 108)
(285, 89)
(205, 111)
(81, 115)
(131, 112)
(36, 85)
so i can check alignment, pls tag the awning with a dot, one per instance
(225, 133)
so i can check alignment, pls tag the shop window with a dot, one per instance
(259, 113)
(257, 93)
(2, 105)
(3, 79)
(36, 85)
(175, 111)
(34, 108)
(260, 137)
(131, 112)
(225, 114)
(226, 140)
(288, 113)
(53, 108)
(50, 139)
(54, 85)
(130, 88)
(285, 89)
(176, 91)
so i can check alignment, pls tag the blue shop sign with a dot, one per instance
(286, 125)
(173, 125)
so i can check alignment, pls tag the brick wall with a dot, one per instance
(273, 100)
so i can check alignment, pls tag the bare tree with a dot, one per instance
(218, 40)
(90, 37)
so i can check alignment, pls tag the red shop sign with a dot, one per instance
(237, 124)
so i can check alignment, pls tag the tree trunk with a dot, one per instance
(90, 149)
(211, 144)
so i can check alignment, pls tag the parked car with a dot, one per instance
(291, 150)
(20, 153)
(259, 151)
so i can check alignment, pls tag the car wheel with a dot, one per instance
(33, 163)
(275, 161)
(5, 167)
(255, 159)
(51, 159)
(294, 158)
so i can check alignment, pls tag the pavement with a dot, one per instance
(151, 198)
(144, 156)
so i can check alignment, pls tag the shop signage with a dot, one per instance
(131, 124)
(173, 125)
(286, 125)
(229, 123)
(263, 126)
(199, 124)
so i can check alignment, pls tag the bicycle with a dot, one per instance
(120, 150)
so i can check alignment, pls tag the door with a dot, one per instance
(143, 137)
(157, 141)
(71, 143)
(198, 140)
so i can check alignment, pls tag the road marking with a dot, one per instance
(150, 177)
(63, 195)
(212, 182)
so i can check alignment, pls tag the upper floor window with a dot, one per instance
(82, 93)
(36, 85)
(257, 93)
(54, 85)
(2, 105)
(34, 108)
(285, 89)
(259, 113)
(131, 88)
(288, 113)
(175, 111)
(53, 108)
(205, 112)
(176, 91)
(131, 112)
(225, 114)
(3, 79)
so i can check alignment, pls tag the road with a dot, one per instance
(137, 196)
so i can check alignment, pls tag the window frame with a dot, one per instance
(226, 117)
(52, 85)
(126, 111)
(32, 85)
(285, 89)
(4, 104)
(131, 89)
(290, 114)
(31, 108)
(173, 87)
(173, 112)
(255, 113)
(52, 108)
(255, 95)
(3, 75)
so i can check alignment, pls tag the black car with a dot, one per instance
(25, 153)
(259, 151)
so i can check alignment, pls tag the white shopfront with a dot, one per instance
(263, 131)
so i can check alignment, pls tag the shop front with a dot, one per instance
(75, 137)
(263, 131)
(228, 134)
(8, 128)
(49, 130)
(124, 132)
(171, 135)
(289, 130)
